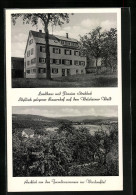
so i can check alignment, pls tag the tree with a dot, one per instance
(46, 19)
(93, 44)
(109, 49)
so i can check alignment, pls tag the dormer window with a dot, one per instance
(74, 44)
(68, 43)
(63, 42)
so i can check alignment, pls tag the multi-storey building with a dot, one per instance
(65, 56)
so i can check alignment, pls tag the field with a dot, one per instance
(88, 80)
(92, 128)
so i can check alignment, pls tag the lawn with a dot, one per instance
(87, 80)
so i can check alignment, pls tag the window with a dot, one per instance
(28, 71)
(42, 49)
(67, 52)
(56, 50)
(31, 41)
(76, 71)
(32, 51)
(82, 63)
(74, 44)
(41, 70)
(63, 42)
(54, 70)
(57, 61)
(42, 60)
(33, 61)
(67, 62)
(51, 61)
(82, 71)
(28, 53)
(83, 53)
(76, 62)
(76, 53)
(68, 43)
(28, 63)
(33, 70)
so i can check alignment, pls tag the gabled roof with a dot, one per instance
(39, 38)
(65, 38)
(52, 37)
(41, 35)
(51, 41)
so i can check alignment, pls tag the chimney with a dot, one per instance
(67, 35)
(40, 31)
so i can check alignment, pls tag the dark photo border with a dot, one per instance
(126, 91)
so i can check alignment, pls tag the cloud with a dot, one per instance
(90, 23)
(107, 25)
(73, 31)
(71, 112)
(20, 37)
(18, 49)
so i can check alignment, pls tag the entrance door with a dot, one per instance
(68, 72)
(63, 72)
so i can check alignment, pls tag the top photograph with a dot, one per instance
(64, 50)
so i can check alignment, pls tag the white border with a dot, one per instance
(17, 184)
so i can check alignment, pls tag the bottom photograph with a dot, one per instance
(65, 141)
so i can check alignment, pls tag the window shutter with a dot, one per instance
(59, 61)
(70, 62)
(63, 61)
(40, 48)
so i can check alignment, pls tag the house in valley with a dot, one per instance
(28, 133)
(65, 56)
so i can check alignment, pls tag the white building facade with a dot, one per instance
(65, 56)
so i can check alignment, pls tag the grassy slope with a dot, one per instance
(88, 80)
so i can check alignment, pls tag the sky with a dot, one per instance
(80, 24)
(59, 111)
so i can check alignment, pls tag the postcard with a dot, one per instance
(64, 100)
